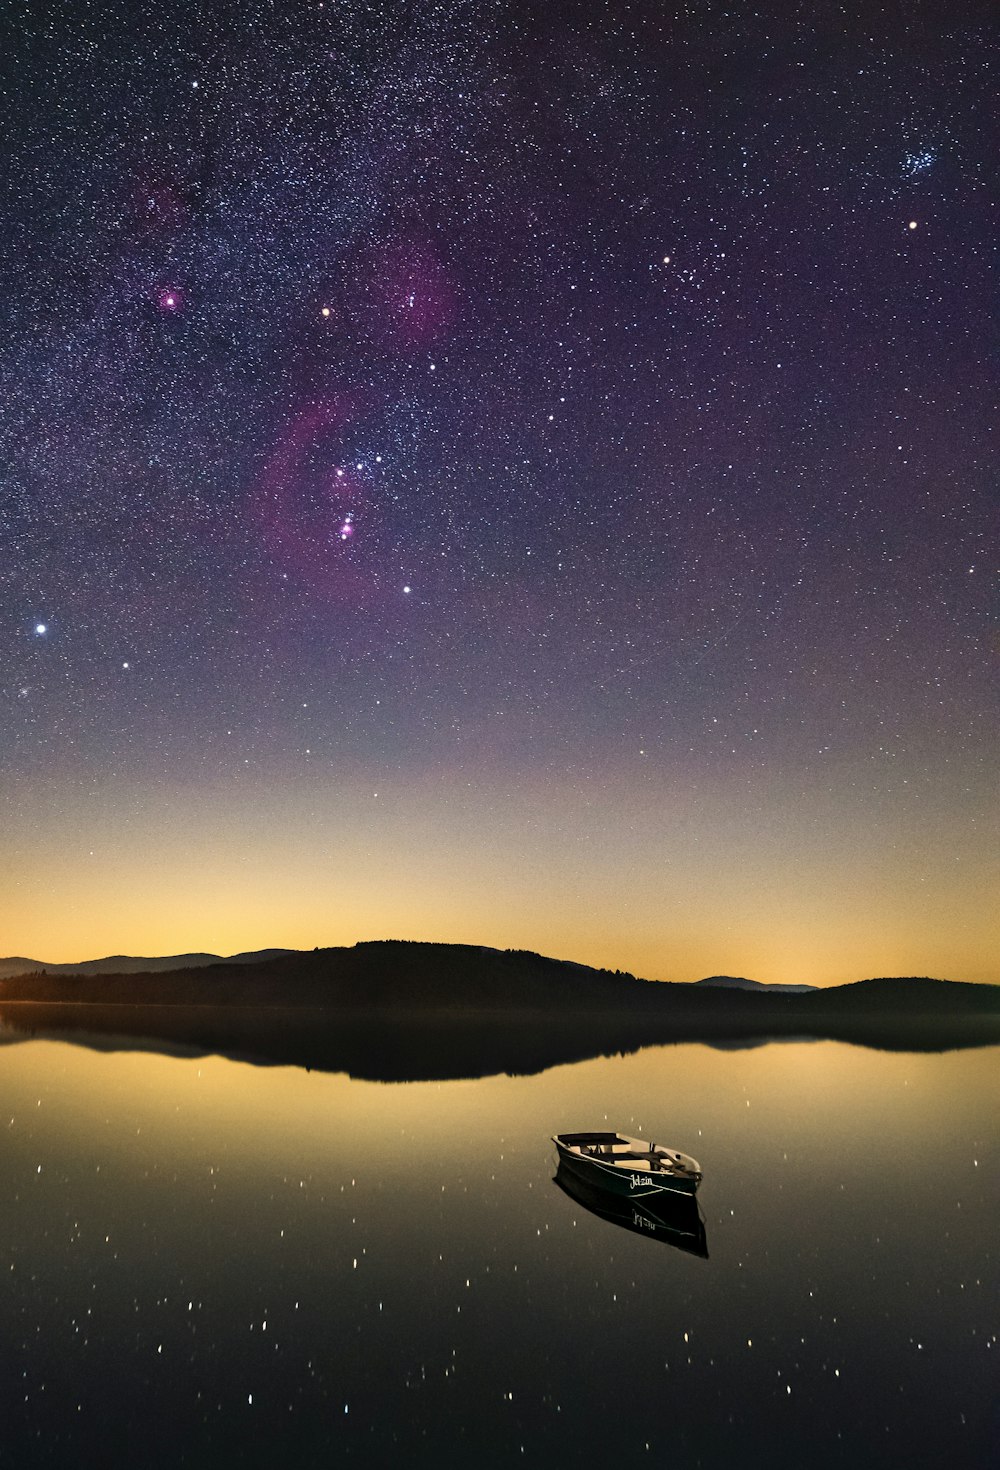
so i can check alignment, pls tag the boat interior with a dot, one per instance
(629, 1153)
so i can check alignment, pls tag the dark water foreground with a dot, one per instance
(212, 1264)
(416, 1046)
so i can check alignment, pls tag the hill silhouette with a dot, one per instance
(381, 974)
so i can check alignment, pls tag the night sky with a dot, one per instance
(514, 474)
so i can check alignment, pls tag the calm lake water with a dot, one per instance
(209, 1263)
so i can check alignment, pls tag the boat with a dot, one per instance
(628, 1166)
(672, 1219)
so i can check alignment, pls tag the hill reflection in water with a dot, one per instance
(420, 1046)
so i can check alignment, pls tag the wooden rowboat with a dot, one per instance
(628, 1166)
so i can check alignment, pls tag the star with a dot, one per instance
(169, 299)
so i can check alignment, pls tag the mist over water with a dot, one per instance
(210, 1263)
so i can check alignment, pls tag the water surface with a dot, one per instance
(210, 1263)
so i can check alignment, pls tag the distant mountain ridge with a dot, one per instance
(739, 982)
(118, 964)
(128, 964)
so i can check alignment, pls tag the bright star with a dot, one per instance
(41, 629)
(170, 298)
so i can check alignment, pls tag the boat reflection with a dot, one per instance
(674, 1219)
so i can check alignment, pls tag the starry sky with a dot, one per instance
(521, 474)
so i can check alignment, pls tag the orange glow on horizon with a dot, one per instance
(667, 882)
